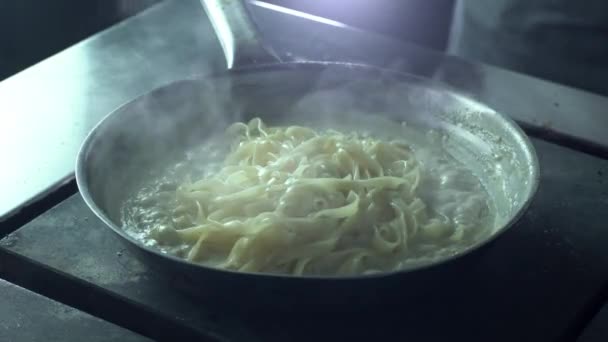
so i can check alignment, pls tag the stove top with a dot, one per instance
(540, 281)
(32, 317)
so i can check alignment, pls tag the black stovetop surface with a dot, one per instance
(543, 280)
(27, 316)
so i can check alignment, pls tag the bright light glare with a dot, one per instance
(298, 13)
(222, 29)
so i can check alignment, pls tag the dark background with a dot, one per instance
(32, 30)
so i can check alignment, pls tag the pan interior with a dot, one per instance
(138, 141)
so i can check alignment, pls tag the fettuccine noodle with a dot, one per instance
(298, 201)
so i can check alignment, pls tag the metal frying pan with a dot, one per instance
(148, 133)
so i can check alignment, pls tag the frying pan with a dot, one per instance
(141, 137)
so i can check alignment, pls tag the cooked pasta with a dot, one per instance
(304, 202)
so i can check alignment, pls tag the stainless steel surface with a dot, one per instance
(48, 109)
(237, 33)
(173, 119)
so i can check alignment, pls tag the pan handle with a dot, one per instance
(238, 34)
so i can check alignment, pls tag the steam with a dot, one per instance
(156, 131)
